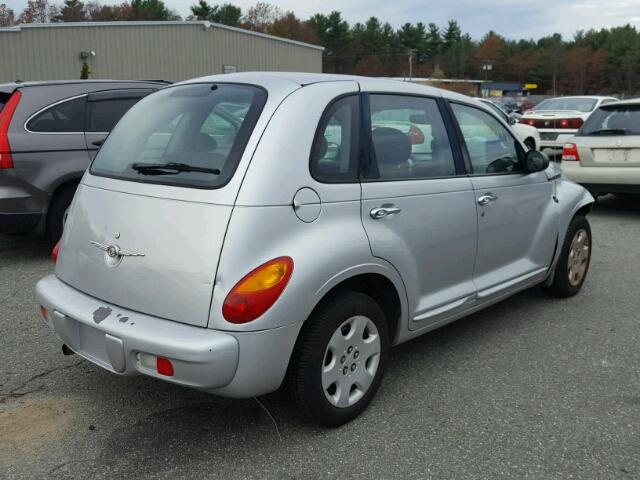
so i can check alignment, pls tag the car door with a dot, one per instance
(103, 111)
(517, 224)
(418, 207)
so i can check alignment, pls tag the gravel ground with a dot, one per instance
(531, 388)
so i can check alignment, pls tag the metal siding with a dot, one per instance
(171, 52)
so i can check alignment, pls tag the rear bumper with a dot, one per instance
(21, 206)
(556, 143)
(603, 179)
(233, 364)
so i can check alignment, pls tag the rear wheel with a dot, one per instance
(573, 263)
(57, 211)
(339, 359)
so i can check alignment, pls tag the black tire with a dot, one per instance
(57, 208)
(304, 377)
(561, 286)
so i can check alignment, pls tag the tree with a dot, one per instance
(72, 11)
(290, 26)
(202, 10)
(333, 33)
(260, 17)
(84, 71)
(452, 34)
(150, 10)
(490, 50)
(227, 14)
(37, 11)
(7, 16)
(433, 40)
(107, 13)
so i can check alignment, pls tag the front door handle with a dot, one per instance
(487, 198)
(381, 212)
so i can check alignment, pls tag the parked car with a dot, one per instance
(49, 133)
(228, 255)
(528, 134)
(604, 156)
(558, 119)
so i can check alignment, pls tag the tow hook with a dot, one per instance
(66, 350)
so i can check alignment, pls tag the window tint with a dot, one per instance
(334, 156)
(613, 120)
(104, 114)
(64, 117)
(183, 124)
(492, 149)
(409, 139)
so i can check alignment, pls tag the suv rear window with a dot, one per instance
(613, 120)
(200, 126)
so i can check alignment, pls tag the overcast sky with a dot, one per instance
(511, 18)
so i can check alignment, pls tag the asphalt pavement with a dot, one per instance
(533, 387)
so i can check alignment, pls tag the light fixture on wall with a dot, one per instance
(86, 55)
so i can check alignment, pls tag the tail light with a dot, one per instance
(55, 252)
(570, 152)
(528, 121)
(573, 123)
(6, 161)
(255, 293)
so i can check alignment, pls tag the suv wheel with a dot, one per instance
(575, 257)
(339, 359)
(57, 212)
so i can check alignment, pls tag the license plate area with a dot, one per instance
(548, 135)
(617, 156)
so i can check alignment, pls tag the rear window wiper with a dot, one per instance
(608, 131)
(170, 168)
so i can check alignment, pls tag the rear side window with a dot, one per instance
(334, 155)
(4, 98)
(409, 139)
(613, 120)
(189, 135)
(104, 114)
(64, 117)
(492, 149)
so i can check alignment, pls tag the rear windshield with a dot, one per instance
(610, 120)
(575, 104)
(171, 133)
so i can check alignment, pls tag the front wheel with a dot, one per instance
(340, 358)
(573, 263)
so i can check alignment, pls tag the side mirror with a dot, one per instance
(536, 161)
(512, 121)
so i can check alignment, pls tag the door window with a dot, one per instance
(104, 114)
(63, 117)
(409, 139)
(492, 149)
(334, 156)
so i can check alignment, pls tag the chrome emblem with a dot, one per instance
(114, 252)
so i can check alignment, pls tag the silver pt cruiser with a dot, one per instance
(240, 232)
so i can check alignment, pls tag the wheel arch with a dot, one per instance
(382, 283)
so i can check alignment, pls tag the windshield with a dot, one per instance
(574, 104)
(618, 120)
(204, 128)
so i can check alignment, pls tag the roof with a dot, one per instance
(629, 101)
(13, 85)
(437, 80)
(204, 24)
(591, 97)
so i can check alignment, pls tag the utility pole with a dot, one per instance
(411, 50)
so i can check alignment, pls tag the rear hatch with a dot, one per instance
(611, 137)
(146, 227)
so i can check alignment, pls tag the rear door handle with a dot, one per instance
(487, 198)
(381, 212)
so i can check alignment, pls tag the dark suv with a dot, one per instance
(49, 133)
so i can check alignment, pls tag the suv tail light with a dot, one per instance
(6, 161)
(255, 293)
(55, 252)
(570, 152)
